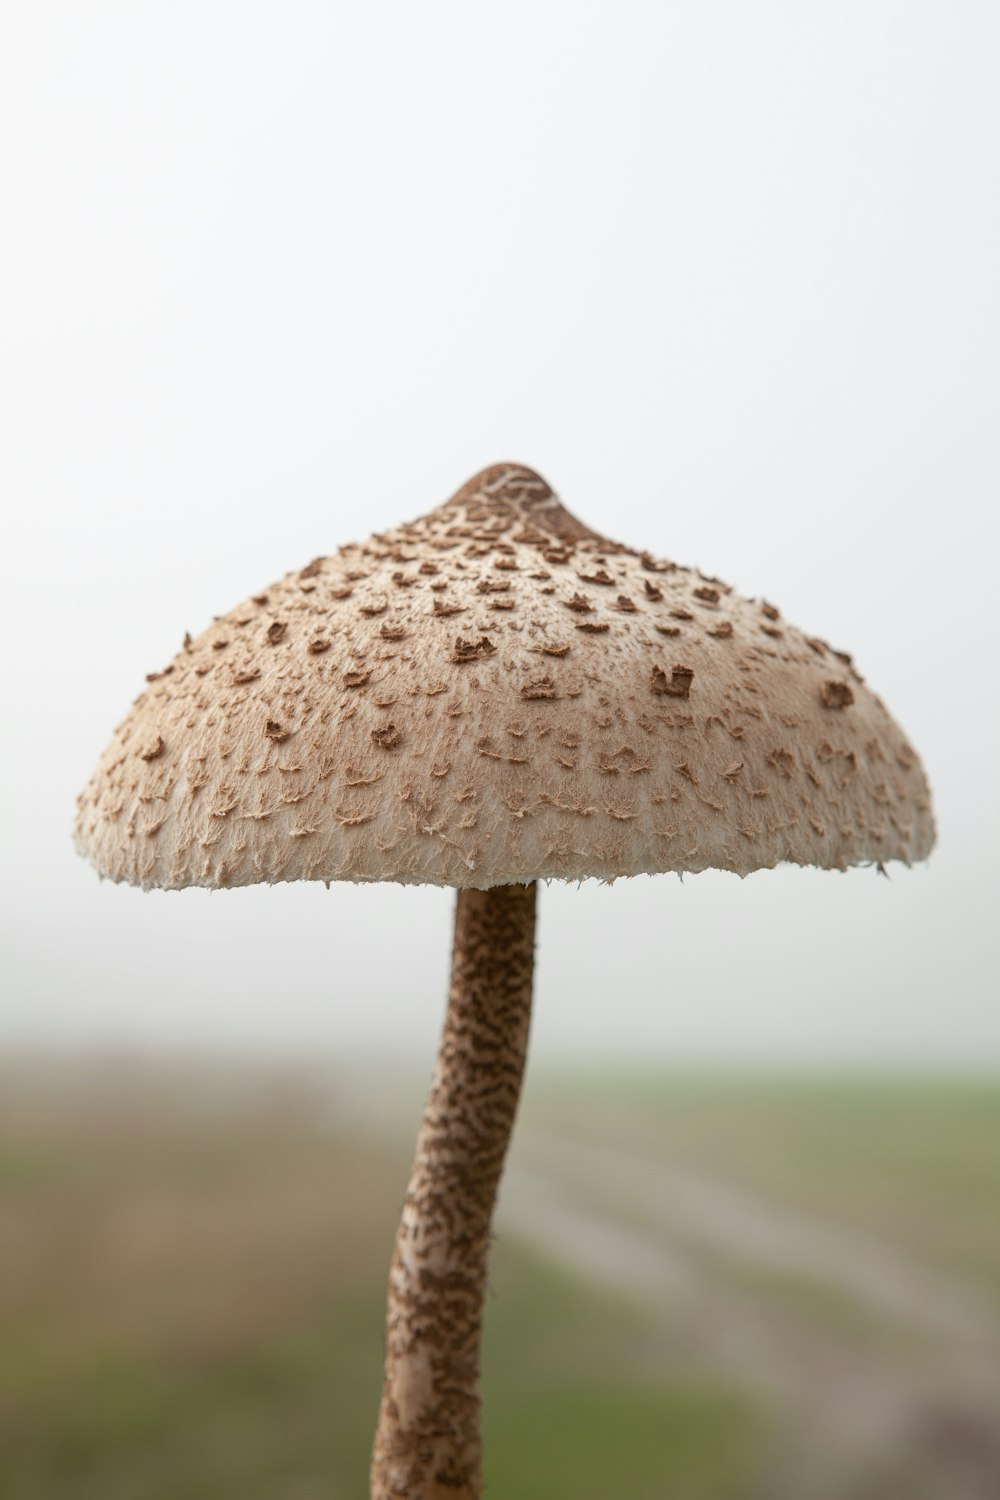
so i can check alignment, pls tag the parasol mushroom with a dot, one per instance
(487, 697)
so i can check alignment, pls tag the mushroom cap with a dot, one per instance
(496, 694)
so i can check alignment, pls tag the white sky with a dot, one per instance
(275, 276)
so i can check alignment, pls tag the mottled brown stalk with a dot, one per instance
(427, 1445)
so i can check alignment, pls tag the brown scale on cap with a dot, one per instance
(443, 610)
(798, 710)
(836, 694)
(677, 685)
(473, 650)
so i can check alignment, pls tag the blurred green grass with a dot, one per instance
(192, 1300)
(193, 1262)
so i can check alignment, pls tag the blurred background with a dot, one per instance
(273, 278)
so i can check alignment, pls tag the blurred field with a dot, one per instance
(702, 1289)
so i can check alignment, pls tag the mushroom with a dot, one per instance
(383, 721)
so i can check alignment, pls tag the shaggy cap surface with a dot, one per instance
(491, 694)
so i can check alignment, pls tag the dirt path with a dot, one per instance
(707, 1212)
(884, 1374)
(907, 1393)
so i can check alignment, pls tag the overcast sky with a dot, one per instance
(273, 277)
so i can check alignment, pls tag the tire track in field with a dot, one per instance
(705, 1211)
(918, 1390)
(902, 1403)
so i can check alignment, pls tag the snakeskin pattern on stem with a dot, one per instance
(427, 1446)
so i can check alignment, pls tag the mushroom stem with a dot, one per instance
(427, 1444)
